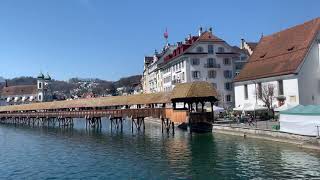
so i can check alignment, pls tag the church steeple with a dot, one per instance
(47, 77)
(40, 76)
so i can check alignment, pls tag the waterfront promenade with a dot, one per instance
(267, 130)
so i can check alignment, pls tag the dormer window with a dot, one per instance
(291, 48)
(263, 55)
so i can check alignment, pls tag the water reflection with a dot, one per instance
(39, 153)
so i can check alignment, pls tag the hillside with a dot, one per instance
(80, 86)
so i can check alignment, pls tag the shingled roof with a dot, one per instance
(189, 90)
(199, 89)
(19, 90)
(182, 49)
(280, 53)
(208, 36)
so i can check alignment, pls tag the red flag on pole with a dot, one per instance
(166, 34)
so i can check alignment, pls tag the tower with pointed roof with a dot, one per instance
(43, 87)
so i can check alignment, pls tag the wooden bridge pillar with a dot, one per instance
(139, 123)
(117, 122)
(132, 121)
(93, 122)
(167, 124)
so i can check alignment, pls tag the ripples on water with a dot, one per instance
(53, 153)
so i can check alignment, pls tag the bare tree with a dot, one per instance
(265, 93)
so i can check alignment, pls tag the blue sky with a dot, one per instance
(108, 39)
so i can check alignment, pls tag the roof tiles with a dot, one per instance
(280, 53)
(19, 90)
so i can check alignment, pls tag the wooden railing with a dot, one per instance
(173, 115)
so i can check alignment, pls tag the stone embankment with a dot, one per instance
(273, 135)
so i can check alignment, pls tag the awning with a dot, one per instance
(250, 107)
(309, 110)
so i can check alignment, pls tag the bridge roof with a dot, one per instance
(93, 102)
(185, 90)
(200, 89)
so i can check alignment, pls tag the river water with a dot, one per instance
(55, 153)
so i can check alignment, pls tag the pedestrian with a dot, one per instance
(250, 120)
(238, 118)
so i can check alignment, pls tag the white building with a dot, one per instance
(289, 60)
(24, 94)
(199, 58)
(152, 78)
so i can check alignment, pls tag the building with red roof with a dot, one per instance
(202, 57)
(287, 60)
(24, 94)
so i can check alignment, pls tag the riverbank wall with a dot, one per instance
(273, 135)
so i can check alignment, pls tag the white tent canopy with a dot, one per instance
(284, 107)
(304, 120)
(300, 124)
(218, 109)
(250, 107)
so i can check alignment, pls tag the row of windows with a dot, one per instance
(196, 61)
(210, 49)
(212, 74)
(176, 67)
(180, 76)
(227, 86)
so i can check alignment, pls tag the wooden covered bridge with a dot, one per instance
(185, 104)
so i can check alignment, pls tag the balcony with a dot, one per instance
(212, 65)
